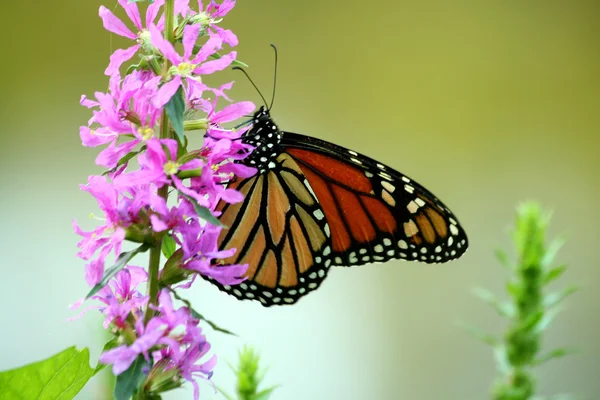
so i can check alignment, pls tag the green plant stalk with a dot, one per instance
(154, 262)
(519, 351)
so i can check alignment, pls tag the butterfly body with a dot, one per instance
(313, 205)
(265, 137)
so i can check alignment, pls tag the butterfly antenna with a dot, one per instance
(274, 77)
(252, 82)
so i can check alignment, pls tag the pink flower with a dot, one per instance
(201, 252)
(157, 166)
(133, 96)
(186, 69)
(115, 25)
(210, 17)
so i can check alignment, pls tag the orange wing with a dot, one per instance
(374, 212)
(280, 231)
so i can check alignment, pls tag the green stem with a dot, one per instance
(154, 262)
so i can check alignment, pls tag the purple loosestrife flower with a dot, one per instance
(172, 338)
(186, 70)
(210, 17)
(200, 254)
(156, 189)
(131, 97)
(115, 25)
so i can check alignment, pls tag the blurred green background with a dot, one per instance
(486, 103)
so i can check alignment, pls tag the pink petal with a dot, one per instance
(194, 164)
(110, 156)
(163, 45)
(171, 145)
(89, 139)
(238, 169)
(231, 196)
(181, 6)
(213, 44)
(158, 225)
(113, 24)
(216, 65)
(233, 112)
(133, 12)
(223, 8)
(118, 58)
(227, 36)
(153, 10)
(166, 91)
(190, 35)
(84, 101)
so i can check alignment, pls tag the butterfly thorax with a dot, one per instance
(265, 137)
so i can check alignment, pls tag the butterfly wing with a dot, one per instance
(374, 212)
(280, 231)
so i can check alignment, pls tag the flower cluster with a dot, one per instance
(139, 123)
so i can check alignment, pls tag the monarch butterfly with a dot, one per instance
(313, 205)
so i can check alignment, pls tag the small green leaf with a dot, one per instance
(265, 394)
(479, 334)
(545, 322)
(168, 245)
(224, 393)
(61, 376)
(119, 265)
(552, 250)
(175, 109)
(554, 273)
(124, 159)
(114, 342)
(502, 308)
(129, 381)
(501, 359)
(555, 298)
(557, 353)
(531, 320)
(502, 257)
(202, 212)
(199, 316)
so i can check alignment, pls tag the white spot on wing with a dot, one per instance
(454, 230)
(388, 186)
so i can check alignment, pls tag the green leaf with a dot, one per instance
(202, 212)
(502, 308)
(502, 257)
(124, 159)
(545, 322)
(554, 274)
(552, 250)
(557, 353)
(129, 381)
(264, 394)
(175, 109)
(224, 393)
(119, 265)
(479, 334)
(168, 245)
(199, 316)
(114, 342)
(61, 376)
(501, 359)
(555, 298)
